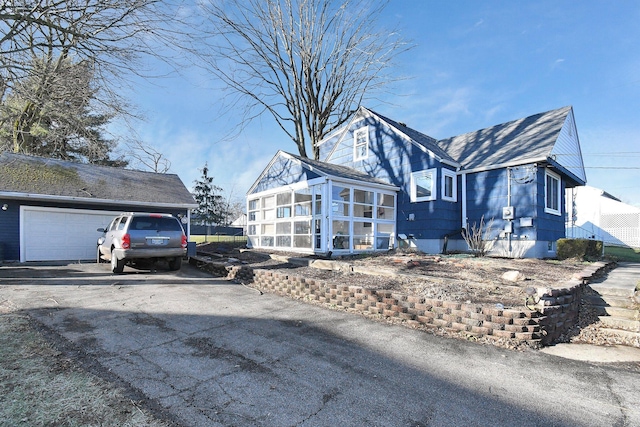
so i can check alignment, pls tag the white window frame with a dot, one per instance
(356, 152)
(414, 176)
(548, 174)
(446, 173)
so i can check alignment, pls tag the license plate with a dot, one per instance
(157, 241)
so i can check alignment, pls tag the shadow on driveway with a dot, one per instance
(207, 352)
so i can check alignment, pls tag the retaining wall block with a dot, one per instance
(513, 314)
(440, 310)
(422, 306)
(426, 318)
(503, 334)
(451, 318)
(471, 322)
(415, 311)
(399, 308)
(525, 336)
(502, 320)
(375, 310)
(451, 305)
(415, 299)
(460, 313)
(441, 323)
(481, 330)
(494, 326)
(479, 316)
(557, 311)
(407, 316)
(433, 302)
(460, 327)
(471, 308)
(491, 311)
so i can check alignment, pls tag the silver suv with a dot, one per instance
(132, 237)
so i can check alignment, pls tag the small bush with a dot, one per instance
(478, 237)
(584, 249)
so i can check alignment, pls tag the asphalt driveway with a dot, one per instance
(209, 352)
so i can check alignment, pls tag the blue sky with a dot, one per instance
(475, 64)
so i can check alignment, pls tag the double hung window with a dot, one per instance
(552, 187)
(449, 186)
(361, 143)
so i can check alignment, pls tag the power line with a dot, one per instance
(617, 152)
(612, 167)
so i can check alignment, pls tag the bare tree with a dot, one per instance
(309, 63)
(40, 38)
(147, 157)
(112, 33)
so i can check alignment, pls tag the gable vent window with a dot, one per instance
(423, 185)
(552, 193)
(361, 143)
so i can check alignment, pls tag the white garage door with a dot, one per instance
(52, 234)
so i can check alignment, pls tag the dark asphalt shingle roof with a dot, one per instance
(519, 140)
(53, 177)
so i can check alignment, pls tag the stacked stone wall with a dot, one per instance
(552, 313)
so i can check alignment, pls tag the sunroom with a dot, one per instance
(330, 210)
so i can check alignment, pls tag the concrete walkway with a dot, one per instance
(623, 282)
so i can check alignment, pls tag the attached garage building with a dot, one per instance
(51, 209)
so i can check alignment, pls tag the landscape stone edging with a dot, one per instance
(554, 314)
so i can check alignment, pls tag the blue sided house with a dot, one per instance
(381, 185)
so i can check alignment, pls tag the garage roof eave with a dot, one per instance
(87, 200)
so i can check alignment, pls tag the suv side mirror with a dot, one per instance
(102, 230)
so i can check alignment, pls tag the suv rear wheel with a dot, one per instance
(117, 265)
(175, 263)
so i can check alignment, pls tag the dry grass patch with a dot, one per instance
(40, 387)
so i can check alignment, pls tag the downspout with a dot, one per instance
(329, 216)
(188, 223)
(465, 219)
(509, 206)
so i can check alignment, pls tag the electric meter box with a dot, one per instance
(508, 212)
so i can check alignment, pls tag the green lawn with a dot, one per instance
(618, 253)
(218, 238)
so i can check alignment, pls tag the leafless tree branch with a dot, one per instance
(148, 157)
(309, 63)
(40, 40)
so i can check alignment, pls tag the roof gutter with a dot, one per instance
(47, 197)
(364, 183)
(564, 169)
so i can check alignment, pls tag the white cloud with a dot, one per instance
(558, 62)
